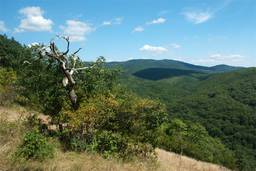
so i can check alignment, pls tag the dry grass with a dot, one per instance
(173, 162)
(71, 161)
(13, 113)
(12, 130)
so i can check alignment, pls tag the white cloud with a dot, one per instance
(175, 46)
(33, 20)
(157, 21)
(229, 59)
(106, 23)
(153, 49)
(221, 57)
(197, 17)
(114, 21)
(3, 27)
(77, 30)
(33, 44)
(138, 29)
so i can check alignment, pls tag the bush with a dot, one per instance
(35, 146)
(139, 151)
(108, 143)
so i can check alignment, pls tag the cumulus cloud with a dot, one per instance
(3, 27)
(77, 30)
(33, 20)
(197, 17)
(153, 49)
(157, 21)
(138, 29)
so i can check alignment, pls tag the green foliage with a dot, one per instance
(223, 103)
(7, 86)
(35, 146)
(97, 80)
(108, 143)
(115, 122)
(41, 84)
(193, 140)
(12, 54)
(114, 125)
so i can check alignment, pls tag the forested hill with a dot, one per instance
(225, 103)
(136, 65)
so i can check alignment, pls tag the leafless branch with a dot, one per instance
(67, 40)
(26, 62)
(83, 68)
(76, 51)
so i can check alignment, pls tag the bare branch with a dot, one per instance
(75, 57)
(74, 63)
(83, 68)
(26, 62)
(67, 39)
(76, 51)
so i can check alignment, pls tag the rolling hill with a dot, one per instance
(221, 98)
(136, 65)
(164, 78)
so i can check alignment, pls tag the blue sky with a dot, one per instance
(204, 32)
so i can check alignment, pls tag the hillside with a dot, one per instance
(165, 79)
(222, 102)
(136, 65)
(184, 110)
(12, 117)
(225, 105)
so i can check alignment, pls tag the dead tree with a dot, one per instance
(65, 66)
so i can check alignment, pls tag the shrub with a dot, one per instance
(108, 143)
(35, 146)
(139, 151)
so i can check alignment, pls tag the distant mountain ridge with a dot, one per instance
(162, 69)
(136, 65)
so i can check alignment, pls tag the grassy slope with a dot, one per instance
(11, 132)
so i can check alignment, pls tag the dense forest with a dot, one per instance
(224, 103)
(205, 114)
